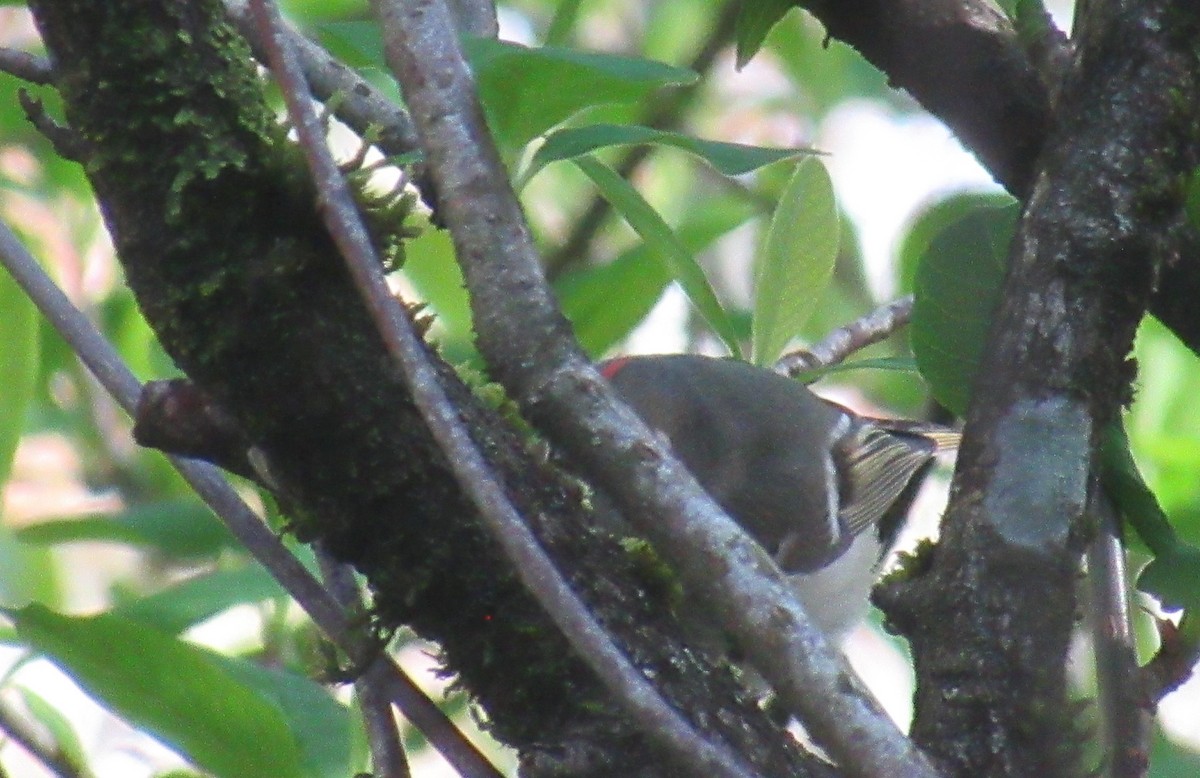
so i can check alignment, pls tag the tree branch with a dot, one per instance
(879, 324)
(383, 736)
(359, 104)
(26, 66)
(991, 617)
(106, 365)
(529, 349)
(963, 61)
(1126, 708)
(217, 229)
(533, 565)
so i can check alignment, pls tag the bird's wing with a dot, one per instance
(875, 465)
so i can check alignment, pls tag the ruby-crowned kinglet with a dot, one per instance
(817, 485)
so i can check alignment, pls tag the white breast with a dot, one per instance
(836, 596)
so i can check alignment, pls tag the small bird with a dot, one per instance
(821, 488)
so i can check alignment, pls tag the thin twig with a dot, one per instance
(1125, 706)
(387, 749)
(35, 743)
(29, 67)
(1178, 654)
(104, 362)
(66, 142)
(359, 104)
(530, 350)
(877, 325)
(388, 759)
(535, 568)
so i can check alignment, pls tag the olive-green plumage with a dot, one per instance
(808, 479)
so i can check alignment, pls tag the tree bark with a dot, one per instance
(963, 61)
(216, 227)
(991, 612)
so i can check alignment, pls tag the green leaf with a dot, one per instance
(18, 366)
(666, 244)
(527, 91)
(190, 602)
(933, 219)
(956, 289)
(180, 528)
(605, 303)
(796, 260)
(27, 573)
(731, 159)
(171, 689)
(1032, 21)
(1133, 499)
(1172, 759)
(562, 25)
(827, 72)
(431, 267)
(1009, 7)
(895, 364)
(122, 320)
(320, 725)
(60, 728)
(754, 20)
(1173, 576)
(357, 44)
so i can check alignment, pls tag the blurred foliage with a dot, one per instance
(570, 100)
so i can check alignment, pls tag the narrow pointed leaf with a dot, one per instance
(65, 737)
(190, 602)
(754, 20)
(605, 303)
(182, 527)
(320, 724)
(526, 91)
(731, 159)
(796, 260)
(642, 217)
(1173, 576)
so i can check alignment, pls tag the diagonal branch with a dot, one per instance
(532, 563)
(529, 348)
(1126, 709)
(26, 66)
(38, 745)
(216, 225)
(878, 325)
(358, 103)
(383, 736)
(104, 363)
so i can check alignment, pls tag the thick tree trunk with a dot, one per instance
(216, 228)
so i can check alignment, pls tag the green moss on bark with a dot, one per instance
(214, 220)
